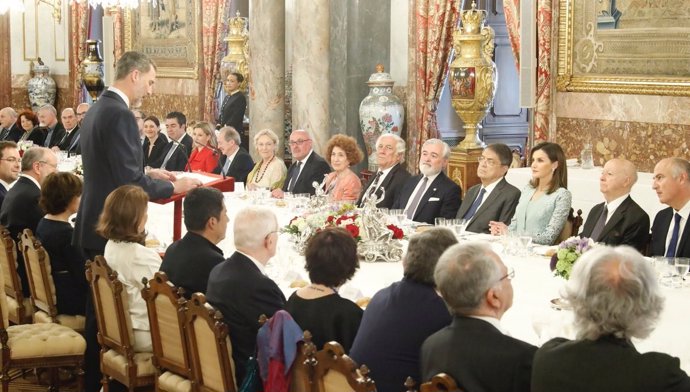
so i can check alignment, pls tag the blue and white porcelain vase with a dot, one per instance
(380, 112)
(41, 87)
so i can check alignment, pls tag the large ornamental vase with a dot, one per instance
(473, 74)
(92, 70)
(380, 112)
(41, 87)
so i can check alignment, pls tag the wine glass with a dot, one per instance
(524, 241)
(681, 266)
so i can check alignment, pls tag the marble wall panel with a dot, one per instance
(643, 143)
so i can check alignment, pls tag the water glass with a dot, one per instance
(440, 222)
(681, 266)
(525, 241)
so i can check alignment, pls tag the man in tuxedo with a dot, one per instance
(235, 161)
(391, 175)
(615, 299)
(47, 116)
(81, 110)
(307, 166)
(8, 125)
(494, 199)
(239, 288)
(619, 220)
(112, 156)
(70, 139)
(474, 350)
(189, 261)
(10, 166)
(670, 229)
(431, 194)
(20, 209)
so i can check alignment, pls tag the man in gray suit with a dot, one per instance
(494, 199)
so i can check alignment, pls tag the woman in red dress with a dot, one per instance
(204, 156)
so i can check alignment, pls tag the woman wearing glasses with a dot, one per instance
(270, 172)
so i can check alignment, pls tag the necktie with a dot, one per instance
(74, 143)
(293, 176)
(4, 133)
(226, 167)
(415, 202)
(63, 138)
(168, 155)
(48, 137)
(375, 183)
(673, 244)
(473, 208)
(599, 226)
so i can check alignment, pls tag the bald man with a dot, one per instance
(8, 128)
(672, 186)
(619, 220)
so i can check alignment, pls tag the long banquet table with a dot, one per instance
(531, 317)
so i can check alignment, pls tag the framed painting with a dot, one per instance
(624, 46)
(169, 33)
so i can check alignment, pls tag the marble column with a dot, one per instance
(310, 70)
(266, 69)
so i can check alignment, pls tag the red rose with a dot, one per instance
(397, 232)
(330, 219)
(353, 230)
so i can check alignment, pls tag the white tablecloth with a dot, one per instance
(534, 286)
(584, 185)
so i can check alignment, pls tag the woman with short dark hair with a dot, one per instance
(60, 196)
(122, 222)
(331, 260)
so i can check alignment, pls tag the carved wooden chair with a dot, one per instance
(18, 307)
(119, 361)
(41, 285)
(441, 382)
(571, 227)
(30, 346)
(166, 308)
(333, 371)
(209, 347)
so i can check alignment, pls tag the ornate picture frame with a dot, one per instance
(169, 33)
(599, 53)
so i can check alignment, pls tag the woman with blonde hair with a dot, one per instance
(342, 184)
(270, 171)
(204, 155)
(122, 223)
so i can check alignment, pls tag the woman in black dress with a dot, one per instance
(234, 106)
(28, 122)
(60, 196)
(154, 143)
(331, 256)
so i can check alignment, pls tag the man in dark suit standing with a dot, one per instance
(235, 161)
(477, 288)
(189, 261)
(431, 194)
(615, 299)
(70, 139)
(111, 156)
(10, 166)
(670, 229)
(8, 125)
(619, 220)
(494, 199)
(390, 176)
(20, 208)
(239, 288)
(47, 116)
(307, 166)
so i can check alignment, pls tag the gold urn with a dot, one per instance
(238, 49)
(473, 74)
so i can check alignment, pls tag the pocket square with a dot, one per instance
(434, 199)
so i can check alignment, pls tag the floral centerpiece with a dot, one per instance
(568, 252)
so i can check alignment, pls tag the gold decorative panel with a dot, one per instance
(641, 142)
(160, 105)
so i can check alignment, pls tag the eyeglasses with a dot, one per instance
(510, 275)
(54, 166)
(11, 160)
(488, 161)
(298, 142)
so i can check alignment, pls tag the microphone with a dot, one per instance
(184, 153)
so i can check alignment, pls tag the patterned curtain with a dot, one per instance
(214, 28)
(432, 24)
(542, 110)
(80, 14)
(118, 32)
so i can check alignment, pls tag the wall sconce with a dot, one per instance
(57, 8)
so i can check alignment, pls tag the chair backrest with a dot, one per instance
(112, 310)
(210, 350)
(8, 259)
(38, 271)
(4, 310)
(441, 382)
(302, 368)
(571, 227)
(166, 308)
(577, 222)
(333, 371)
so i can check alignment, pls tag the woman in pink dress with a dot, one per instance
(342, 184)
(204, 154)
